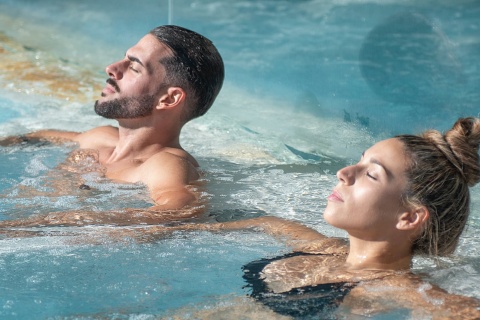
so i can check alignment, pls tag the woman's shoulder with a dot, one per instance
(325, 246)
(406, 290)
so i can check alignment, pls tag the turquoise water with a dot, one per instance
(309, 86)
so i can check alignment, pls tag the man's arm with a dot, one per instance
(99, 136)
(54, 136)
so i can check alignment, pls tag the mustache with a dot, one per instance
(114, 84)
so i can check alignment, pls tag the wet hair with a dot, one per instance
(195, 66)
(440, 171)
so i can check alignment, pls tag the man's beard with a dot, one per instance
(126, 108)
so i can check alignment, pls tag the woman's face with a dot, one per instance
(367, 199)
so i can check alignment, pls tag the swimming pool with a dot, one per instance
(309, 85)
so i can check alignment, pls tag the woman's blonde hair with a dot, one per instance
(442, 168)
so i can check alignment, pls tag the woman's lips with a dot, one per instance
(335, 196)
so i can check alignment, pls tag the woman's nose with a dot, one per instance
(116, 70)
(347, 175)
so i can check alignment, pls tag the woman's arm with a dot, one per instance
(300, 237)
(274, 226)
(145, 222)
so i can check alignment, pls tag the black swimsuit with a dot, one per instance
(310, 302)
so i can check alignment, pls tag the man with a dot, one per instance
(171, 76)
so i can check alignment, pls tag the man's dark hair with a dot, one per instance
(196, 66)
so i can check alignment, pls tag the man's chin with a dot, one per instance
(103, 98)
(125, 108)
(99, 110)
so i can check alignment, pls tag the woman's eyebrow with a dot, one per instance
(377, 162)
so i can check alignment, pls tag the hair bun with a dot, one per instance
(463, 140)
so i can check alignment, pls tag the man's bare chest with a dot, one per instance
(88, 160)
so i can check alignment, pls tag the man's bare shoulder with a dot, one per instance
(99, 137)
(168, 173)
(180, 154)
(173, 162)
(172, 156)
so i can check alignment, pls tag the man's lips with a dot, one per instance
(335, 196)
(107, 90)
(111, 87)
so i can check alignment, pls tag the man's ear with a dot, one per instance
(172, 98)
(413, 219)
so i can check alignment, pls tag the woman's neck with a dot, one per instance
(379, 255)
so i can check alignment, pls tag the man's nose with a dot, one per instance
(116, 69)
(347, 175)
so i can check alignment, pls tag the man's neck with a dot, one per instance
(141, 142)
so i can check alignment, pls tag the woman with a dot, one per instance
(407, 195)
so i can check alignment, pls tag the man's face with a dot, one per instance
(135, 82)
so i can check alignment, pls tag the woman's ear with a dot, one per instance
(413, 219)
(172, 98)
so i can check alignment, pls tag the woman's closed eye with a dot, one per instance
(371, 176)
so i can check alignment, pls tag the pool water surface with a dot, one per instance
(309, 86)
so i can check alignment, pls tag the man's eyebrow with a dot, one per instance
(135, 59)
